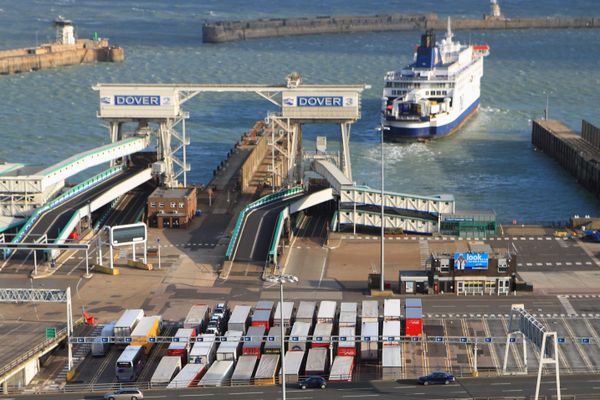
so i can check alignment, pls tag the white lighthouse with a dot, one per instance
(65, 33)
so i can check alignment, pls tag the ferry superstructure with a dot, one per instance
(437, 93)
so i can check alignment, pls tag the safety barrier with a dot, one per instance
(283, 194)
(277, 234)
(105, 215)
(75, 190)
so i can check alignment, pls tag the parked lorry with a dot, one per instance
(197, 317)
(100, 347)
(167, 369)
(306, 312)
(244, 370)
(181, 343)
(294, 366)
(273, 343)
(327, 311)
(392, 310)
(127, 322)
(229, 348)
(238, 321)
(189, 376)
(204, 350)
(322, 334)
(317, 361)
(262, 318)
(253, 341)
(348, 314)
(347, 343)
(341, 369)
(288, 309)
(266, 372)
(369, 341)
(299, 336)
(218, 374)
(147, 327)
(414, 322)
(369, 311)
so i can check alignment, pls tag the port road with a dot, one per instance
(467, 388)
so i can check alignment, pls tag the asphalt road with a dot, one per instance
(500, 387)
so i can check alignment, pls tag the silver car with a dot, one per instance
(129, 394)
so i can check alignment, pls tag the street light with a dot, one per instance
(158, 244)
(382, 279)
(281, 279)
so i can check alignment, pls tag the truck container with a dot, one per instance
(391, 310)
(273, 343)
(203, 351)
(229, 348)
(264, 305)
(413, 303)
(218, 374)
(327, 311)
(391, 333)
(294, 362)
(244, 370)
(391, 362)
(369, 311)
(127, 322)
(197, 317)
(414, 322)
(266, 372)
(299, 336)
(341, 369)
(253, 341)
(99, 348)
(347, 347)
(306, 312)
(238, 321)
(369, 340)
(322, 334)
(262, 318)
(167, 368)
(348, 307)
(181, 343)
(188, 376)
(147, 327)
(317, 361)
(288, 310)
(347, 318)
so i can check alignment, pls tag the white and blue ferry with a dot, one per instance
(437, 93)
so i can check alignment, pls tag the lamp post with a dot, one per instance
(158, 245)
(382, 279)
(281, 279)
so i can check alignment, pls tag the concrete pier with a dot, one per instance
(229, 31)
(57, 55)
(578, 154)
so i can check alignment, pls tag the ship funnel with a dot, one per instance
(449, 34)
(428, 39)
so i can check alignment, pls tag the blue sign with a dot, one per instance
(585, 340)
(294, 338)
(223, 338)
(487, 340)
(104, 340)
(463, 340)
(512, 340)
(415, 339)
(137, 100)
(80, 340)
(199, 339)
(127, 340)
(343, 338)
(271, 339)
(561, 340)
(367, 338)
(175, 339)
(320, 101)
(390, 338)
(152, 340)
(247, 338)
(439, 339)
(319, 338)
(464, 261)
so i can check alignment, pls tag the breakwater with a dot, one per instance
(58, 55)
(578, 154)
(230, 31)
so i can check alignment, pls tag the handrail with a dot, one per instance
(258, 203)
(276, 235)
(93, 181)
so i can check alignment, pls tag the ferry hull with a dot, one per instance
(401, 131)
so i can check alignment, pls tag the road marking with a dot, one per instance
(512, 390)
(323, 267)
(500, 383)
(247, 393)
(361, 395)
(196, 395)
(405, 387)
(358, 388)
(154, 397)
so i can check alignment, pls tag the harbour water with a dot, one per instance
(48, 115)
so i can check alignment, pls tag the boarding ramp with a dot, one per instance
(392, 221)
(332, 174)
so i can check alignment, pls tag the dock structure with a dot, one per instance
(578, 154)
(231, 31)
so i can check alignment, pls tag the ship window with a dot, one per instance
(388, 84)
(427, 93)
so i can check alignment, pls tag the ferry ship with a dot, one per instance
(437, 93)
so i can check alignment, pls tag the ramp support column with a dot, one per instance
(345, 135)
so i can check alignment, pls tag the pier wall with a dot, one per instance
(57, 55)
(228, 31)
(578, 155)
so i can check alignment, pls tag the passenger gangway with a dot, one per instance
(58, 218)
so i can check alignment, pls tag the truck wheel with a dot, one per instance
(323, 386)
(133, 398)
(303, 387)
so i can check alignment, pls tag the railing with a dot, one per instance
(258, 203)
(60, 335)
(101, 177)
(276, 235)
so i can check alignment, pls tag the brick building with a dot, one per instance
(171, 208)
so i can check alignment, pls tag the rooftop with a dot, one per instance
(171, 193)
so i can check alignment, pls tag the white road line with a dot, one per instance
(512, 390)
(196, 395)
(247, 393)
(154, 397)
(323, 267)
(500, 383)
(361, 395)
(358, 388)
(405, 387)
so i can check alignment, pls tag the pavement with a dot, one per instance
(506, 387)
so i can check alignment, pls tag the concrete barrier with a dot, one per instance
(139, 265)
(105, 270)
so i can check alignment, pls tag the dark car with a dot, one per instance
(312, 382)
(437, 377)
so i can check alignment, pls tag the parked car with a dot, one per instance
(437, 377)
(214, 326)
(220, 310)
(128, 393)
(312, 382)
